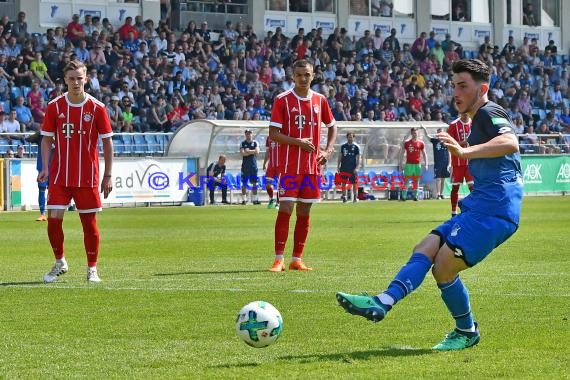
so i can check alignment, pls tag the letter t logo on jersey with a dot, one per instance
(300, 121)
(67, 130)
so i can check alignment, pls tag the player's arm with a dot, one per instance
(266, 157)
(107, 182)
(243, 152)
(47, 142)
(303, 143)
(424, 154)
(498, 146)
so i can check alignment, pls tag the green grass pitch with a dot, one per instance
(174, 279)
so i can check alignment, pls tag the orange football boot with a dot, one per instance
(278, 266)
(41, 218)
(299, 265)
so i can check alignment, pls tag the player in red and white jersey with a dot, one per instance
(459, 129)
(296, 120)
(270, 165)
(73, 123)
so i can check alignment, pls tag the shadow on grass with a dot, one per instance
(349, 357)
(21, 283)
(210, 272)
(346, 357)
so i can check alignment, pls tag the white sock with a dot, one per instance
(61, 261)
(472, 329)
(386, 299)
(279, 257)
(295, 258)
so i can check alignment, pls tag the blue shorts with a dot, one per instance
(441, 172)
(472, 235)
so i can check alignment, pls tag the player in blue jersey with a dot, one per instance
(249, 149)
(440, 162)
(36, 138)
(489, 214)
(348, 164)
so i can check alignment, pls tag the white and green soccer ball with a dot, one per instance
(259, 324)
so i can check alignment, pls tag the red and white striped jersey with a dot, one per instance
(76, 129)
(272, 151)
(300, 118)
(459, 131)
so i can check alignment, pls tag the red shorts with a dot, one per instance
(271, 172)
(86, 199)
(300, 188)
(458, 173)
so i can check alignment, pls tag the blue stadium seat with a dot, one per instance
(128, 144)
(6, 106)
(118, 147)
(140, 146)
(161, 141)
(15, 92)
(151, 143)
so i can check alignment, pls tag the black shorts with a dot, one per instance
(249, 175)
(441, 172)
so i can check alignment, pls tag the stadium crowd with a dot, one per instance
(152, 78)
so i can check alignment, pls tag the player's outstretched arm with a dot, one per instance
(498, 146)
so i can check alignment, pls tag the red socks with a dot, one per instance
(281, 232)
(300, 236)
(269, 190)
(56, 237)
(454, 196)
(90, 237)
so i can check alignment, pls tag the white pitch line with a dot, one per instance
(234, 290)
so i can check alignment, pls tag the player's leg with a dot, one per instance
(309, 193)
(42, 188)
(269, 189)
(88, 203)
(469, 179)
(409, 278)
(457, 173)
(254, 193)
(244, 185)
(463, 249)
(288, 199)
(57, 203)
(354, 182)
(224, 188)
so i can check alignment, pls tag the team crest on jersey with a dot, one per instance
(316, 109)
(87, 117)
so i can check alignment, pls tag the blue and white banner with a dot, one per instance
(273, 21)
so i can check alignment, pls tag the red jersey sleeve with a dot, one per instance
(278, 113)
(48, 125)
(327, 115)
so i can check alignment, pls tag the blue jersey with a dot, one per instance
(249, 162)
(440, 153)
(498, 186)
(349, 157)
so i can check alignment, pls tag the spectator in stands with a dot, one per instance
(127, 28)
(158, 118)
(530, 142)
(24, 115)
(20, 28)
(12, 125)
(75, 32)
(40, 70)
(393, 41)
(459, 13)
(39, 111)
(528, 15)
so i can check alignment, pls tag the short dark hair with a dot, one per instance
(479, 70)
(302, 63)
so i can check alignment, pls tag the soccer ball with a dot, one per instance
(259, 324)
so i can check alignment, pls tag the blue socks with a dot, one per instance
(408, 278)
(42, 200)
(456, 297)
